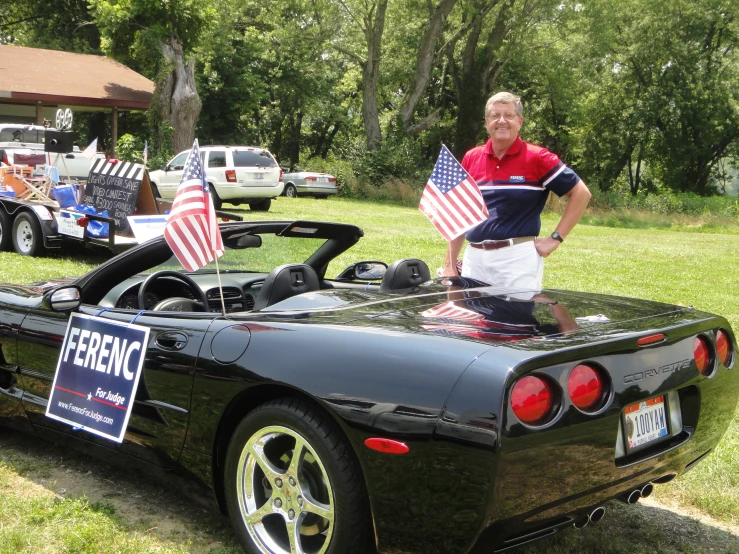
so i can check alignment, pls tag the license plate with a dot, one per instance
(645, 422)
(323, 179)
(259, 176)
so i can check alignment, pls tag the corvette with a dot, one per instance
(378, 410)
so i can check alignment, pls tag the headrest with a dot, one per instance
(286, 281)
(405, 274)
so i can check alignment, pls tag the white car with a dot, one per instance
(236, 174)
(298, 182)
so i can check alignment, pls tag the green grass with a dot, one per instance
(668, 263)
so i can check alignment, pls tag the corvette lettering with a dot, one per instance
(647, 373)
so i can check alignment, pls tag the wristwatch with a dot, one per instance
(557, 236)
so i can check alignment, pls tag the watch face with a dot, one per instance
(557, 236)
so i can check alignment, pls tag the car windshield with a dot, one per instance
(253, 158)
(19, 134)
(274, 251)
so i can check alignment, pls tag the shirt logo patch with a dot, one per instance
(517, 179)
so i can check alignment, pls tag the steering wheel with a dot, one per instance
(178, 303)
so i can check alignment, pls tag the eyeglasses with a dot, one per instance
(507, 116)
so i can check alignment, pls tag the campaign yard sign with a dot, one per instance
(97, 375)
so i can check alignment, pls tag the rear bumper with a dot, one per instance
(325, 189)
(231, 191)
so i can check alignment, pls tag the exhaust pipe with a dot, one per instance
(646, 490)
(582, 522)
(631, 497)
(597, 514)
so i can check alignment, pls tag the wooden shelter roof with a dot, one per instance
(35, 75)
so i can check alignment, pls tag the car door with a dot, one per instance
(171, 178)
(160, 415)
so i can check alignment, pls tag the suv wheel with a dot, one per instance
(217, 202)
(262, 206)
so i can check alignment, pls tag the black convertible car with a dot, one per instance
(379, 410)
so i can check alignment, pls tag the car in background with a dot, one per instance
(299, 182)
(236, 174)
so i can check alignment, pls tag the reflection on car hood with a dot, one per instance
(491, 315)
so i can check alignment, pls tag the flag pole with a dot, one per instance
(220, 288)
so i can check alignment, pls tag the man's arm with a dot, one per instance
(452, 252)
(577, 200)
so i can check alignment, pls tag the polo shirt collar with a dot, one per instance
(512, 151)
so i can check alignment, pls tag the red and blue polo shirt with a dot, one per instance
(515, 188)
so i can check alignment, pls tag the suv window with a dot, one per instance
(217, 158)
(179, 161)
(19, 134)
(251, 158)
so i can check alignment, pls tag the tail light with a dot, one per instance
(231, 175)
(332, 179)
(5, 158)
(280, 174)
(533, 400)
(311, 178)
(702, 355)
(723, 347)
(587, 387)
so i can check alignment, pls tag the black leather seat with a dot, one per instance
(286, 281)
(405, 274)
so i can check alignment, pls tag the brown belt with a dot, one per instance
(495, 244)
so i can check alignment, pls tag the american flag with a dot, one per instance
(451, 199)
(192, 230)
(145, 153)
(89, 152)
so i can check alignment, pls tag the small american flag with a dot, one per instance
(145, 153)
(91, 149)
(451, 199)
(192, 230)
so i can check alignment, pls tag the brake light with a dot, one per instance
(231, 175)
(311, 178)
(5, 158)
(532, 399)
(723, 347)
(585, 385)
(280, 174)
(702, 355)
(332, 179)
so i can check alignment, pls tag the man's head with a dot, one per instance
(503, 118)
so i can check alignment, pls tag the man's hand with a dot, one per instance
(546, 245)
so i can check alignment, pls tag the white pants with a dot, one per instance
(513, 267)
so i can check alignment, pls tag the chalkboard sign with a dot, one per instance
(117, 187)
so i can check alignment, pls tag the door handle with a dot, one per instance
(171, 341)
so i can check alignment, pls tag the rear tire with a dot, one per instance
(280, 502)
(262, 206)
(6, 231)
(291, 191)
(217, 202)
(27, 236)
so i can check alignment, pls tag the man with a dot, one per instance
(515, 178)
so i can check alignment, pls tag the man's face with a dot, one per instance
(503, 123)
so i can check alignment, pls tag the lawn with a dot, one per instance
(675, 266)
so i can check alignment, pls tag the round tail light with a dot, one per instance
(532, 399)
(702, 355)
(586, 386)
(723, 347)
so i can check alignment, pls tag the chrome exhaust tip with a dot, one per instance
(631, 497)
(582, 522)
(646, 490)
(597, 514)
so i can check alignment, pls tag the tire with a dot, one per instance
(291, 191)
(6, 231)
(217, 202)
(262, 206)
(27, 237)
(263, 476)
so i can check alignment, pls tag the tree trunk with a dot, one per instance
(178, 96)
(373, 30)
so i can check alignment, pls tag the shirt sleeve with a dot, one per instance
(556, 176)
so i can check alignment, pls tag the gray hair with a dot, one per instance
(505, 98)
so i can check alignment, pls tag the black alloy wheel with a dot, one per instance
(262, 206)
(6, 231)
(292, 485)
(291, 191)
(27, 236)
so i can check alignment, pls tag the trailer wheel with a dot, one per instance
(5, 231)
(27, 238)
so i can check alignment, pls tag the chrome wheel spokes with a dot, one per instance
(284, 493)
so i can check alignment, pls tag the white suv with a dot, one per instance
(236, 174)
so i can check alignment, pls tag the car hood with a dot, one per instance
(490, 315)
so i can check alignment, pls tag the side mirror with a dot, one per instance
(164, 167)
(369, 271)
(63, 299)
